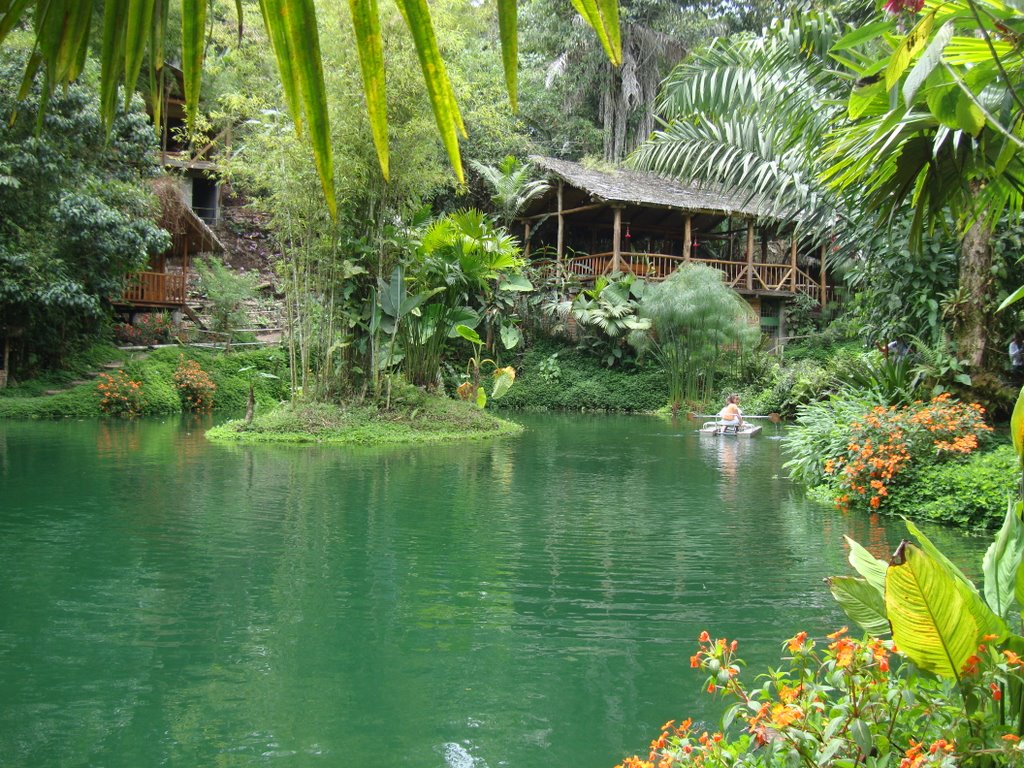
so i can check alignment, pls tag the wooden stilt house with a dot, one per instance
(164, 283)
(599, 222)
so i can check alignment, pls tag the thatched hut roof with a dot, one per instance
(634, 188)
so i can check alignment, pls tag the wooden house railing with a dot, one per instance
(738, 274)
(155, 288)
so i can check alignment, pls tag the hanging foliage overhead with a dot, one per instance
(130, 28)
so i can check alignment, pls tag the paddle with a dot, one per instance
(774, 418)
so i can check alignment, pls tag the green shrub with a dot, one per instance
(581, 383)
(972, 494)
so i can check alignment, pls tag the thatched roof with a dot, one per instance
(178, 218)
(649, 190)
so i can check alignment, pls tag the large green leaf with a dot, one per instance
(863, 603)
(603, 17)
(468, 334)
(1002, 562)
(138, 23)
(936, 553)
(439, 89)
(907, 49)
(507, 10)
(273, 20)
(193, 38)
(304, 45)
(503, 380)
(111, 58)
(937, 620)
(1017, 423)
(867, 565)
(929, 60)
(366, 22)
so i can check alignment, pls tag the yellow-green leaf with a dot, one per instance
(193, 39)
(1002, 561)
(304, 44)
(138, 23)
(507, 25)
(937, 620)
(603, 17)
(273, 20)
(969, 116)
(12, 16)
(111, 58)
(366, 21)
(442, 100)
(1017, 427)
(862, 602)
(867, 565)
(907, 49)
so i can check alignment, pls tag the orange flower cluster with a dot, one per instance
(194, 385)
(886, 440)
(119, 394)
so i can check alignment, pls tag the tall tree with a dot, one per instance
(935, 127)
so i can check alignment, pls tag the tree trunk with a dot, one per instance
(976, 289)
(250, 406)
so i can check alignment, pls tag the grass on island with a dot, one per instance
(425, 420)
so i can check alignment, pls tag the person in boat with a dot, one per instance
(731, 415)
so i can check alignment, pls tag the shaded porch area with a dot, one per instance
(599, 222)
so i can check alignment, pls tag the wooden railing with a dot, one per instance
(738, 274)
(155, 288)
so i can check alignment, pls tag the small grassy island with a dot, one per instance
(417, 417)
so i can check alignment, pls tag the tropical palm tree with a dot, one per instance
(936, 127)
(130, 28)
(750, 114)
(512, 185)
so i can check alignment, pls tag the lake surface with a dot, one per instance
(520, 602)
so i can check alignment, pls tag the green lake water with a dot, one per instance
(525, 602)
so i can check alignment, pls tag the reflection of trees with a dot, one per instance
(298, 600)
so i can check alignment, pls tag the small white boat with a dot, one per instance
(718, 428)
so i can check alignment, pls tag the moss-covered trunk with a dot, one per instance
(976, 288)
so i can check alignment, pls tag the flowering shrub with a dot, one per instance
(148, 329)
(885, 441)
(848, 702)
(194, 385)
(119, 394)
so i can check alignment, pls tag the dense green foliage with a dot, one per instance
(75, 215)
(971, 493)
(554, 376)
(155, 374)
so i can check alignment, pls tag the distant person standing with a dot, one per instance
(898, 349)
(1017, 355)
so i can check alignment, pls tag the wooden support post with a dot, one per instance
(750, 255)
(526, 239)
(824, 284)
(792, 263)
(688, 238)
(561, 226)
(617, 241)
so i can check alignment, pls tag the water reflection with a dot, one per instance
(519, 602)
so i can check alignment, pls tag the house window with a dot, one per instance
(204, 199)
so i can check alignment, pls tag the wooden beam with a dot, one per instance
(561, 225)
(617, 240)
(577, 209)
(687, 237)
(526, 239)
(792, 263)
(821, 274)
(750, 254)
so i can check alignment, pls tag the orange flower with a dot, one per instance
(796, 642)
(838, 633)
(704, 636)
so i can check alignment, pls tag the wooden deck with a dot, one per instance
(154, 289)
(742, 276)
